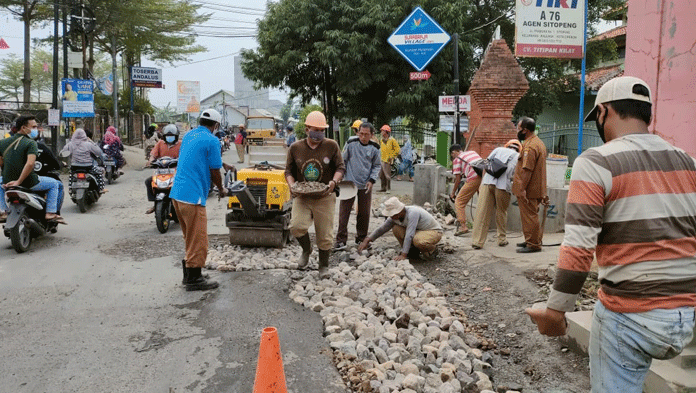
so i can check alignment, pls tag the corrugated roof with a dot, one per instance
(613, 33)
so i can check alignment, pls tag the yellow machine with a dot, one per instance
(259, 129)
(260, 207)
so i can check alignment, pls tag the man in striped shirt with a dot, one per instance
(461, 165)
(632, 202)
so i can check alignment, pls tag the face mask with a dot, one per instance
(600, 127)
(170, 138)
(316, 136)
(34, 133)
(520, 135)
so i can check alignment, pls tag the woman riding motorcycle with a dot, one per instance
(83, 151)
(114, 147)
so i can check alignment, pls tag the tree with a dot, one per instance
(42, 71)
(286, 110)
(29, 12)
(338, 50)
(11, 78)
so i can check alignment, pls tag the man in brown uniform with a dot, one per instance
(529, 184)
(314, 159)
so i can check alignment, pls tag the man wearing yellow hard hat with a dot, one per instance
(314, 159)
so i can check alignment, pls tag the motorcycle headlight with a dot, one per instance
(162, 184)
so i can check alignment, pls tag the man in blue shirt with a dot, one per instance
(199, 163)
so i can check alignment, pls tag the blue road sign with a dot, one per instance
(419, 39)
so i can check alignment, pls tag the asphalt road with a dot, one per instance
(99, 306)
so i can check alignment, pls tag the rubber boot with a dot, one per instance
(306, 245)
(196, 282)
(183, 267)
(324, 263)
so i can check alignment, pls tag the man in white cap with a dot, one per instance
(412, 226)
(632, 203)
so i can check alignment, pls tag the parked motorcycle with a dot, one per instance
(162, 181)
(27, 216)
(112, 172)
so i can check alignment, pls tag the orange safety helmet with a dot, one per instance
(385, 128)
(514, 142)
(316, 119)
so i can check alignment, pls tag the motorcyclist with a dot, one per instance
(46, 158)
(83, 152)
(167, 147)
(114, 146)
(150, 139)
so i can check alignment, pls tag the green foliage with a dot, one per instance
(286, 110)
(316, 46)
(300, 127)
(140, 105)
(11, 78)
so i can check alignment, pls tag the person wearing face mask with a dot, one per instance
(314, 159)
(17, 158)
(529, 184)
(632, 206)
(167, 147)
(199, 164)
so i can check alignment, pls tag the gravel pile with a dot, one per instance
(390, 331)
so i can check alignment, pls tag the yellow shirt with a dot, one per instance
(389, 149)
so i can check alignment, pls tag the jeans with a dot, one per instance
(406, 165)
(54, 199)
(622, 345)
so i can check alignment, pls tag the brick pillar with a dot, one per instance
(497, 86)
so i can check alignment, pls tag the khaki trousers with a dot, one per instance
(463, 197)
(529, 213)
(490, 198)
(426, 241)
(194, 225)
(240, 152)
(385, 176)
(319, 211)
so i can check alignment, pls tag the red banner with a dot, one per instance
(546, 50)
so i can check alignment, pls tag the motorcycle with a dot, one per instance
(162, 181)
(112, 172)
(27, 216)
(84, 188)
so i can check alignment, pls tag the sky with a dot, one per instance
(213, 68)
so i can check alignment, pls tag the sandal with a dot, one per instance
(3, 217)
(57, 219)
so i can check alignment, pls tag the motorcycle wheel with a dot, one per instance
(394, 169)
(109, 176)
(162, 216)
(81, 203)
(20, 235)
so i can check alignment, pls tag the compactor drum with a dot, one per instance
(259, 207)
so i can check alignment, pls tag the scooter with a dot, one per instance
(112, 172)
(84, 188)
(162, 181)
(27, 216)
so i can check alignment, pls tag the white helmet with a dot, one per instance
(170, 129)
(211, 114)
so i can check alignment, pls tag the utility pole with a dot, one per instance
(114, 93)
(54, 101)
(457, 136)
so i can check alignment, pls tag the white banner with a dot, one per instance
(54, 117)
(188, 96)
(448, 104)
(549, 28)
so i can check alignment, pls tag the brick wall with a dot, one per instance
(497, 86)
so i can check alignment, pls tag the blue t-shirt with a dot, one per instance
(200, 152)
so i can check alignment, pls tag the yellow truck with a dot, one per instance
(260, 129)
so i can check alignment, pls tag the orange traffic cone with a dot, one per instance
(270, 377)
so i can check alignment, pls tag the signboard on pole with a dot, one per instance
(447, 104)
(146, 77)
(419, 39)
(78, 97)
(447, 123)
(54, 117)
(188, 96)
(550, 28)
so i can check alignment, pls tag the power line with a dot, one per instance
(229, 6)
(204, 60)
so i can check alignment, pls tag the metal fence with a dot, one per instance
(424, 140)
(564, 139)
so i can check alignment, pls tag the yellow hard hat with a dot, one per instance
(316, 119)
(356, 124)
